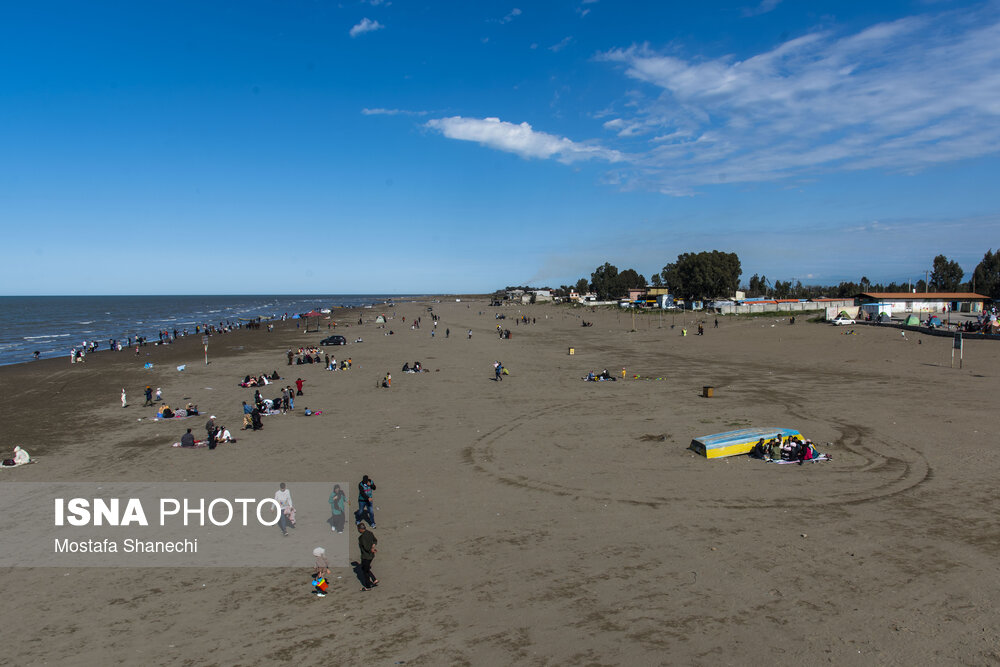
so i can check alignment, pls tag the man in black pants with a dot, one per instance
(366, 544)
(210, 430)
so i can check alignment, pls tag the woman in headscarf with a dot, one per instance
(338, 505)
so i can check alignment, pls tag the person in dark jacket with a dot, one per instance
(210, 430)
(366, 545)
(187, 440)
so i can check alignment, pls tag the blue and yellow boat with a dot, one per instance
(734, 443)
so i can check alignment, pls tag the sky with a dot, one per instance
(390, 146)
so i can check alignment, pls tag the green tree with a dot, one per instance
(655, 280)
(782, 289)
(757, 286)
(703, 274)
(986, 276)
(582, 286)
(605, 282)
(847, 289)
(947, 274)
(630, 279)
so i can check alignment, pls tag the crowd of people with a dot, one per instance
(786, 449)
(604, 376)
(261, 380)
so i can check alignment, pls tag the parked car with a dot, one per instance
(334, 340)
(839, 321)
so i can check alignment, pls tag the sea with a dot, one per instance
(53, 325)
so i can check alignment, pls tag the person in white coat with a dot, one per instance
(287, 509)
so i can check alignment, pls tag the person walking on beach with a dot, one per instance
(149, 396)
(159, 395)
(366, 507)
(287, 517)
(338, 503)
(320, 572)
(291, 355)
(298, 386)
(498, 370)
(284, 400)
(124, 401)
(366, 545)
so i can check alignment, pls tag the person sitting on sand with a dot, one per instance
(406, 367)
(20, 458)
(224, 435)
(166, 412)
(192, 409)
(187, 440)
(591, 377)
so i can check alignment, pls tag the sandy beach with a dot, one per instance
(542, 519)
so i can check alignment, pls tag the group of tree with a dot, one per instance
(693, 275)
(716, 274)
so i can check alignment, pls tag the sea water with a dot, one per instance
(53, 325)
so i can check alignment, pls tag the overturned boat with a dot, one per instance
(734, 443)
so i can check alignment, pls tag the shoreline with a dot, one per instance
(20, 340)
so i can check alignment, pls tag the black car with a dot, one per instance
(334, 340)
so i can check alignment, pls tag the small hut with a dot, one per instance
(312, 319)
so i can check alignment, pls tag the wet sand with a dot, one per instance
(542, 519)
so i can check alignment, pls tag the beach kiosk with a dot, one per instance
(312, 319)
(734, 443)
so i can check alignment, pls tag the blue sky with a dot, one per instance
(401, 147)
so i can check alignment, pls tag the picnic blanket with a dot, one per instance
(18, 465)
(177, 415)
(197, 444)
(821, 457)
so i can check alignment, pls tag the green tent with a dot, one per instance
(913, 321)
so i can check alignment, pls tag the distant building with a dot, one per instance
(636, 294)
(540, 295)
(926, 302)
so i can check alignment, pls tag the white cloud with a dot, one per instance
(764, 7)
(899, 96)
(514, 13)
(562, 44)
(366, 25)
(378, 111)
(520, 139)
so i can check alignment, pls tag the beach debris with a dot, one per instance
(182, 367)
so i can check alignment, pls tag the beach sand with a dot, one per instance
(542, 519)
